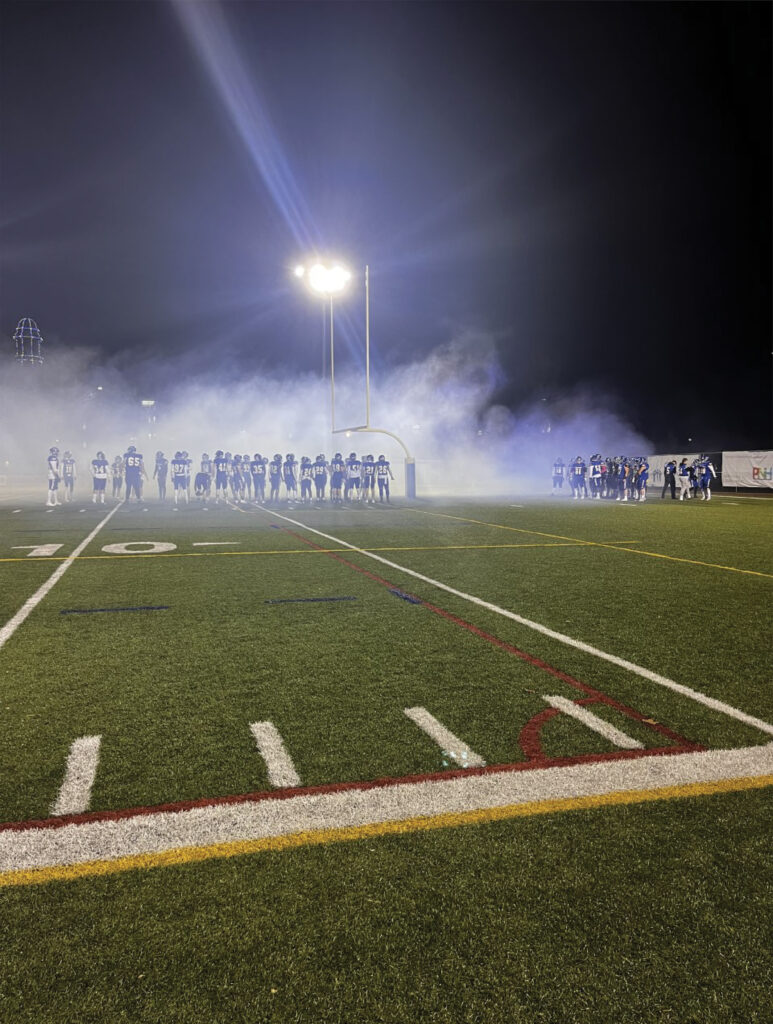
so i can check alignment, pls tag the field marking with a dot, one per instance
(306, 551)
(590, 543)
(445, 739)
(34, 855)
(213, 543)
(81, 770)
(645, 673)
(135, 608)
(31, 603)
(598, 725)
(281, 770)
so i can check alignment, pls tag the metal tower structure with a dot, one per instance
(28, 342)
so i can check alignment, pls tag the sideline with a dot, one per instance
(278, 820)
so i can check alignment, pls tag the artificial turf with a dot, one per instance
(645, 913)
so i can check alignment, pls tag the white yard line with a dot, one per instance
(31, 603)
(609, 732)
(281, 770)
(451, 745)
(79, 776)
(645, 673)
(105, 840)
(213, 543)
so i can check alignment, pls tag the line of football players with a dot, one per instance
(234, 478)
(624, 478)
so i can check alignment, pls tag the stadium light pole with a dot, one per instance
(327, 281)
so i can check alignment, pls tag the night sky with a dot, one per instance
(590, 185)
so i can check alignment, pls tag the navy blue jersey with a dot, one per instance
(99, 469)
(258, 467)
(382, 469)
(68, 467)
(179, 467)
(558, 469)
(53, 466)
(319, 469)
(133, 463)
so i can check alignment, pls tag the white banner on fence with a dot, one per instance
(747, 469)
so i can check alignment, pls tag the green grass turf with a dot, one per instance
(638, 914)
(648, 913)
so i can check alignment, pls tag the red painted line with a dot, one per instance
(334, 787)
(529, 736)
(530, 659)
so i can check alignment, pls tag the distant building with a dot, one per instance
(28, 342)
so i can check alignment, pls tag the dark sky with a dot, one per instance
(590, 184)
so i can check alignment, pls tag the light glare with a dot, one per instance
(328, 280)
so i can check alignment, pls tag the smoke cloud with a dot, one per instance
(441, 406)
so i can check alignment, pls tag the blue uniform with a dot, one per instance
(133, 465)
(319, 473)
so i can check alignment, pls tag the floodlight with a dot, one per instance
(328, 280)
(299, 271)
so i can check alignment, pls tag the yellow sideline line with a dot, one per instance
(321, 837)
(592, 543)
(294, 551)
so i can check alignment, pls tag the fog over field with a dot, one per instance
(443, 407)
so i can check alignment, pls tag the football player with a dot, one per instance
(623, 479)
(707, 474)
(237, 480)
(643, 477)
(369, 480)
(53, 476)
(319, 473)
(353, 473)
(68, 475)
(258, 471)
(577, 478)
(595, 476)
(290, 475)
(188, 463)
(337, 473)
(306, 476)
(160, 471)
(558, 474)
(116, 472)
(99, 471)
(683, 476)
(179, 477)
(275, 477)
(221, 476)
(135, 471)
(383, 475)
(203, 482)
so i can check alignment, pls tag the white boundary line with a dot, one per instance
(445, 739)
(281, 770)
(645, 673)
(31, 603)
(581, 714)
(87, 841)
(79, 776)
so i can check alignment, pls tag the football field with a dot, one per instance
(431, 761)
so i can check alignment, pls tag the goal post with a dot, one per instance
(410, 461)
